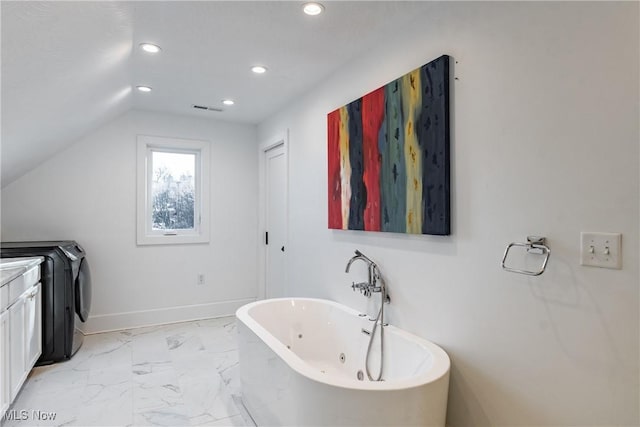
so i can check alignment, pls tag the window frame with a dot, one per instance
(145, 234)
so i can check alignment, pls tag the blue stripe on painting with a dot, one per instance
(433, 134)
(393, 175)
(358, 190)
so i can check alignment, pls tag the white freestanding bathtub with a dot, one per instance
(299, 363)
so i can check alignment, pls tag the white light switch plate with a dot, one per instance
(601, 249)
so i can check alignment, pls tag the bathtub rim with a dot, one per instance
(440, 367)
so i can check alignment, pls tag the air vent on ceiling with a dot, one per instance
(204, 107)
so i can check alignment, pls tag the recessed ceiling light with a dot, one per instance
(259, 69)
(143, 88)
(151, 48)
(228, 101)
(313, 9)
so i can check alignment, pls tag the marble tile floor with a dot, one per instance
(183, 374)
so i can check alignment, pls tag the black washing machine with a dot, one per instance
(66, 294)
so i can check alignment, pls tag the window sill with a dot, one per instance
(171, 239)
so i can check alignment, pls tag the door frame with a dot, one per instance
(269, 144)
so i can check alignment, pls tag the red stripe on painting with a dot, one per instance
(372, 116)
(333, 154)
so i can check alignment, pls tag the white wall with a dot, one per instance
(88, 193)
(544, 141)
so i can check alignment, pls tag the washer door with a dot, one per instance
(83, 290)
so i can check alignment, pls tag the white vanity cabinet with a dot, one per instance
(25, 337)
(20, 324)
(5, 392)
(33, 323)
(17, 338)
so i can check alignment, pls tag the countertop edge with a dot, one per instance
(12, 268)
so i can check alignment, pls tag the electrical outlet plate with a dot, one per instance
(601, 249)
(200, 279)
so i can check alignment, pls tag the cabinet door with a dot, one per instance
(33, 327)
(4, 362)
(18, 371)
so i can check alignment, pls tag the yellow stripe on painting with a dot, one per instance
(411, 101)
(345, 167)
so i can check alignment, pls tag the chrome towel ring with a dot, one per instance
(534, 245)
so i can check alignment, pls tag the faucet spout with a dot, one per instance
(358, 256)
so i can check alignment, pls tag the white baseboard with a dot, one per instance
(160, 316)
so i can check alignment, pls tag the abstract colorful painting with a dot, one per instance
(389, 156)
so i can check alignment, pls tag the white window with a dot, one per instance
(173, 191)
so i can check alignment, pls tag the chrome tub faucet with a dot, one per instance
(375, 283)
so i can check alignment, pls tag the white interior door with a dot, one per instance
(275, 204)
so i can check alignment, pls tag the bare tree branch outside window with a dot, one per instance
(173, 198)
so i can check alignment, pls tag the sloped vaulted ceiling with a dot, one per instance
(69, 67)
(65, 70)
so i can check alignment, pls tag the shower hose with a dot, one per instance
(380, 321)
